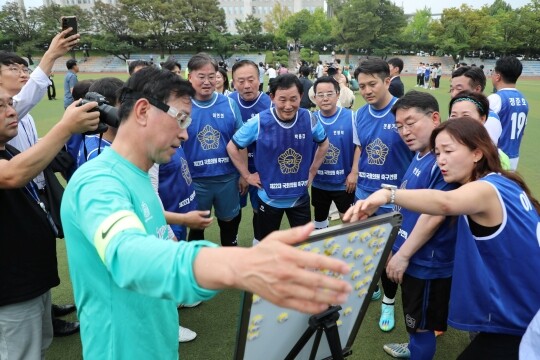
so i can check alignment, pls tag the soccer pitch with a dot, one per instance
(216, 321)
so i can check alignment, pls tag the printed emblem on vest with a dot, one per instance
(289, 161)
(209, 138)
(377, 152)
(332, 155)
(185, 171)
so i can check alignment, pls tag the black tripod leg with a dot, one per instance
(300, 344)
(316, 343)
(332, 335)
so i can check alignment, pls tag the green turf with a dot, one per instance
(216, 321)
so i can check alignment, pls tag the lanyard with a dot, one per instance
(31, 190)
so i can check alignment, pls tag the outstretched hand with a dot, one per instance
(288, 277)
(362, 209)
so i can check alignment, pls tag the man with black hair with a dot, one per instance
(93, 145)
(510, 105)
(423, 253)
(28, 265)
(396, 87)
(27, 90)
(467, 78)
(337, 176)
(172, 65)
(384, 157)
(115, 226)
(215, 119)
(137, 65)
(70, 80)
(305, 102)
(284, 158)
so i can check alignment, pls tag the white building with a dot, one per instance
(240, 9)
(83, 4)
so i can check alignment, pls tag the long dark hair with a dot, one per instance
(474, 135)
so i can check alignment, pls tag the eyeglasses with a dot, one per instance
(184, 120)
(400, 128)
(325, 95)
(17, 70)
(202, 78)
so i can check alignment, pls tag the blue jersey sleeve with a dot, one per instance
(238, 123)
(247, 134)
(317, 130)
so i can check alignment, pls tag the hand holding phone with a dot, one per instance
(69, 22)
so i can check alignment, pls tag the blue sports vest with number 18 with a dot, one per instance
(284, 154)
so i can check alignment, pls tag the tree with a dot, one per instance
(416, 32)
(198, 19)
(152, 19)
(529, 16)
(276, 17)
(16, 26)
(112, 20)
(296, 25)
(367, 23)
(252, 26)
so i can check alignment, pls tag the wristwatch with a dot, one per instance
(392, 189)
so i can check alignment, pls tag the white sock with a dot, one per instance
(255, 242)
(321, 224)
(388, 301)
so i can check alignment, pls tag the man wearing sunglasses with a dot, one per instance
(127, 279)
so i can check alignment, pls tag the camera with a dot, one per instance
(108, 115)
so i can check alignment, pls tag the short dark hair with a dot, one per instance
(420, 100)
(305, 70)
(81, 88)
(475, 75)
(326, 79)
(199, 60)
(284, 82)
(245, 62)
(170, 64)
(152, 83)
(108, 87)
(373, 67)
(396, 62)
(479, 100)
(71, 63)
(510, 68)
(9, 58)
(137, 63)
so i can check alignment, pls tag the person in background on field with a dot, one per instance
(70, 80)
(510, 105)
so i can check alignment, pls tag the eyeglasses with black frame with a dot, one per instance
(184, 120)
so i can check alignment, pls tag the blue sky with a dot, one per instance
(410, 6)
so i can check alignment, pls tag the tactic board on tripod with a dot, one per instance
(269, 332)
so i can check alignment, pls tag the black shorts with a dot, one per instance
(322, 200)
(493, 347)
(269, 217)
(425, 303)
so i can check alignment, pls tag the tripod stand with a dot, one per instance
(325, 321)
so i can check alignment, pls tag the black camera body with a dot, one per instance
(108, 115)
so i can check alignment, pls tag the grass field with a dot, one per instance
(216, 321)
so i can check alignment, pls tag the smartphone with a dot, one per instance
(69, 22)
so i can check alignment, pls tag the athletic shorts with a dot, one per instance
(222, 195)
(322, 200)
(425, 303)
